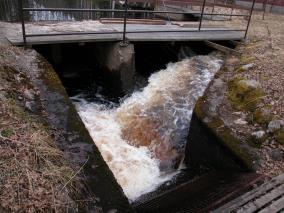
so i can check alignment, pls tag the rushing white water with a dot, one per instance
(143, 139)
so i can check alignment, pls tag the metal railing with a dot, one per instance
(126, 12)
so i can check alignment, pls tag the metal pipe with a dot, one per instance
(251, 10)
(125, 21)
(200, 23)
(21, 13)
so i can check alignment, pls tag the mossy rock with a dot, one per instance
(255, 141)
(279, 136)
(262, 116)
(244, 94)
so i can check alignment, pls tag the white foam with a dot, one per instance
(168, 101)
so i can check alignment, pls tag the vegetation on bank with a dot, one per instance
(246, 98)
(33, 173)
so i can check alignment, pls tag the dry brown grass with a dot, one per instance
(34, 176)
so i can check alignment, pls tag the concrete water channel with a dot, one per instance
(205, 182)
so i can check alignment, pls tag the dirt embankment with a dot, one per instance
(245, 102)
(33, 173)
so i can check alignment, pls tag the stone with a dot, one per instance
(244, 94)
(258, 134)
(240, 122)
(257, 138)
(30, 105)
(277, 154)
(249, 84)
(29, 94)
(275, 125)
(262, 116)
(248, 66)
(279, 136)
(245, 68)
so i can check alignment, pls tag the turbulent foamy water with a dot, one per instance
(143, 139)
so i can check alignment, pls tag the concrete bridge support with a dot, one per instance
(118, 63)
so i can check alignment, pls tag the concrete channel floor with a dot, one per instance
(267, 198)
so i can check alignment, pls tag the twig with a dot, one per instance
(54, 203)
(79, 170)
(29, 179)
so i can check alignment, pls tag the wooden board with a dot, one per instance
(268, 197)
(139, 36)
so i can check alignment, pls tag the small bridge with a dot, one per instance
(125, 29)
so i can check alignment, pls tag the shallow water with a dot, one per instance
(142, 139)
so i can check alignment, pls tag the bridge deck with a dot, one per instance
(112, 32)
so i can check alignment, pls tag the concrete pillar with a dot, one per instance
(118, 63)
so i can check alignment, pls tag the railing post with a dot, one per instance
(264, 8)
(213, 9)
(125, 21)
(201, 17)
(21, 13)
(251, 10)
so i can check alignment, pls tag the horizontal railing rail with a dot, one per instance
(129, 11)
(126, 11)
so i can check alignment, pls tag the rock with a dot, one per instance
(262, 116)
(30, 105)
(240, 122)
(275, 125)
(248, 66)
(279, 136)
(29, 94)
(245, 67)
(249, 84)
(257, 138)
(244, 94)
(258, 134)
(277, 154)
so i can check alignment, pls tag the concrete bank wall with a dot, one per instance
(76, 143)
(212, 139)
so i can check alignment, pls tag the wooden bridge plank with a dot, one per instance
(262, 201)
(238, 202)
(134, 33)
(276, 206)
(154, 36)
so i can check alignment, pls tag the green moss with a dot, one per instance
(243, 96)
(262, 116)
(240, 69)
(246, 60)
(7, 133)
(256, 142)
